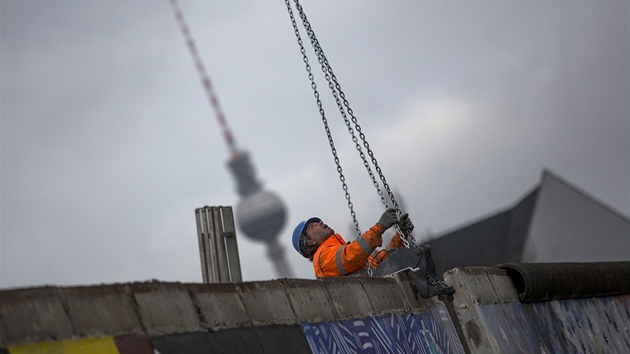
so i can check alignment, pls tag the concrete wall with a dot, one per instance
(493, 320)
(336, 315)
(281, 316)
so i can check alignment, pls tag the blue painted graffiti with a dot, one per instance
(592, 325)
(431, 332)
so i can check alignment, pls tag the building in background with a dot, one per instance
(555, 222)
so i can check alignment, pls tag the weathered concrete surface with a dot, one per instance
(309, 300)
(473, 288)
(100, 310)
(266, 303)
(493, 319)
(220, 306)
(415, 303)
(165, 308)
(348, 297)
(161, 310)
(385, 295)
(297, 315)
(32, 315)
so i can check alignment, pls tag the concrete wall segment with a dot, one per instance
(33, 315)
(503, 287)
(385, 295)
(266, 302)
(159, 309)
(473, 288)
(413, 302)
(348, 297)
(165, 308)
(309, 300)
(219, 306)
(482, 285)
(101, 310)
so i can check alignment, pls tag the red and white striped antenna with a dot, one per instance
(205, 79)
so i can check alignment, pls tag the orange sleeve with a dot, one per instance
(396, 242)
(334, 259)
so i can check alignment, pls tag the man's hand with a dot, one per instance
(405, 224)
(388, 219)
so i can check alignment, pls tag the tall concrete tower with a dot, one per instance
(260, 214)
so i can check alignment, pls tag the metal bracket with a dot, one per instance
(418, 261)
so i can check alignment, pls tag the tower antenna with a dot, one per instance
(260, 214)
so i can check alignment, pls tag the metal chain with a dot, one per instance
(339, 96)
(311, 78)
(335, 89)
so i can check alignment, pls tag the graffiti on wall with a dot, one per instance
(125, 344)
(591, 325)
(431, 332)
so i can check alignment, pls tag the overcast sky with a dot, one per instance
(108, 142)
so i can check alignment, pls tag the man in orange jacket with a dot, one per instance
(333, 256)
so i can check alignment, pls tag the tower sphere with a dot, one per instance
(261, 215)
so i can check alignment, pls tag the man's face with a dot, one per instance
(318, 232)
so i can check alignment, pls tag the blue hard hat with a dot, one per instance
(299, 230)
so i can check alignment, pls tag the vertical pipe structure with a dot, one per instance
(260, 213)
(218, 247)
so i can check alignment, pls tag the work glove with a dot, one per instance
(388, 219)
(405, 224)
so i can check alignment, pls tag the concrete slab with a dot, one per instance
(385, 295)
(415, 303)
(266, 303)
(101, 310)
(504, 289)
(473, 289)
(220, 306)
(474, 282)
(310, 300)
(348, 297)
(33, 315)
(165, 308)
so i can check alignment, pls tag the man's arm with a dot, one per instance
(336, 260)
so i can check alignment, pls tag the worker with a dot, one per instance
(333, 256)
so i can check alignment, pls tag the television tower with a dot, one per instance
(260, 213)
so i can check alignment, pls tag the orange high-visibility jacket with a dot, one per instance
(335, 257)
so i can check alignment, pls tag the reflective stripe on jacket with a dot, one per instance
(335, 257)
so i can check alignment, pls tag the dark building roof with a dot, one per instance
(555, 222)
